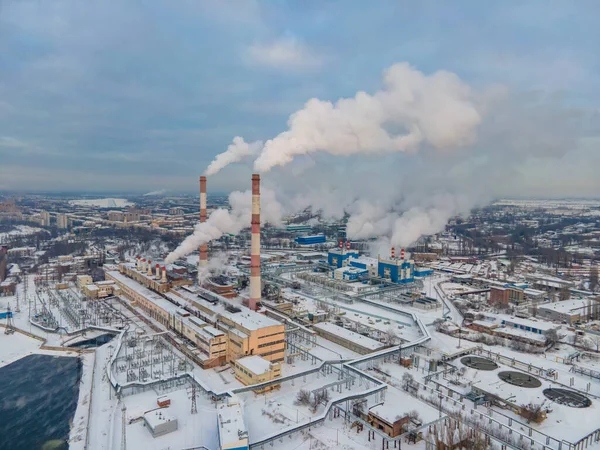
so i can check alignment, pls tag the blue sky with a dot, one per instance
(141, 95)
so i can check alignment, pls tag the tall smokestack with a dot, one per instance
(204, 247)
(157, 276)
(164, 275)
(255, 288)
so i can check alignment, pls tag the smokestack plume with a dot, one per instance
(255, 286)
(203, 247)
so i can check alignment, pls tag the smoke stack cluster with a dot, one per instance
(203, 247)
(255, 286)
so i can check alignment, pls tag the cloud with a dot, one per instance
(286, 52)
(411, 110)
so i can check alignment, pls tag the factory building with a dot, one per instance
(396, 270)
(338, 257)
(152, 276)
(311, 240)
(569, 311)
(254, 370)
(365, 263)
(233, 434)
(347, 338)
(248, 332)
(349, 273)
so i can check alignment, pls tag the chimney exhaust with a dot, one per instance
(204, 247)
(255, 285)
(164, 275)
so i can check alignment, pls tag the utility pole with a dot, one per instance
(10, 326)
(123, 427)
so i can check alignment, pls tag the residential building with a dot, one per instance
(62, 221)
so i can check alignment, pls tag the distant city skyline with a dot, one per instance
(130, 97)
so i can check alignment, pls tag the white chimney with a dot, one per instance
(157, 276)
(164, 275)
(149, 268)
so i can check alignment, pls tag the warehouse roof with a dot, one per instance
(255, 364)
(349, 335)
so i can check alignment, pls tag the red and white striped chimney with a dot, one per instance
(204, 247)
(255, 287)
(402, 254)
(393, 252)
(348, 245)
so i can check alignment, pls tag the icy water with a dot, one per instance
(94, 342)
(38, 397)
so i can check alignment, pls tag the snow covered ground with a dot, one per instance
(102, 202)
(16, 346)
(20, 230)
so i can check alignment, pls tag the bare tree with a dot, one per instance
(595, 339)
(390, 337)
(303, 398)
(553, 337)
(533, 412)
(407, 380)
(438, 324)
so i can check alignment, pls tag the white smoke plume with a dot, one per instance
(216, 266)
(155, 193)
(235, 152)
(223, 221)
(411, 110)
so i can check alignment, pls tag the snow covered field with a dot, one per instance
(102, 202)
(15, 346)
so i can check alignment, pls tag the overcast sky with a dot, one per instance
(141, 95)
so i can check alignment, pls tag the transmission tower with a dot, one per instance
(123, 427)
(193, 398)
(10, 325)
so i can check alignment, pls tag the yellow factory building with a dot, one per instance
(254, 370)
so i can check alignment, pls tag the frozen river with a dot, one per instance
(38, 397)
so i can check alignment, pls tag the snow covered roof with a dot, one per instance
(232, 428)
(349, 335)
(158, 417)
(165, 305)
(566, 306)
(255, 364)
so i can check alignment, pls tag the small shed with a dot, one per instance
(159, 422)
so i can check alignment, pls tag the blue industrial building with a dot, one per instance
(396, 270)
(338, 257)
(349, 274)
(311, 240)
(422, 272)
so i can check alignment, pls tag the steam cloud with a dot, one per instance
(223, 221)
(216, 266)
(412, 109)
(155, 193)
(235, 152)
